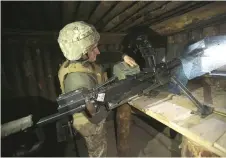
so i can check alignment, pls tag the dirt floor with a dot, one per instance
(145, 141)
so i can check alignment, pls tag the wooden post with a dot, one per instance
(123, 120)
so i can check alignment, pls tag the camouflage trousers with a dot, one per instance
(94, 135)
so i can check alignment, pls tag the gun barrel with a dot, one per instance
(58, 116)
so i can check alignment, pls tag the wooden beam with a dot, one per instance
(118, 9)
(93, 10)
(173, 12)
(138, 15)
(105, 38)
(155, 12)
(69, 11)
(111, 38)
(182, 22)
(100, 11)
(124, 15)
(84, 10)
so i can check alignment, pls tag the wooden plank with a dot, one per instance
(49, 74)
(184, 131)
(51, 36)
(170, 111)
(39, 66)
(155, 12)
(120, 7)
(210, 130)
(17, 72)
(85, 8)
(196, 16)
(30, 72)
(181, 120)
(111, 38)
(69, 11)
(101, 10)
(221, 143)
(146, 101)
(194, 128)
(139, 15)
(121, 17)
(172, 11)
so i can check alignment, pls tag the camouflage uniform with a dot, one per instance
(75, 40)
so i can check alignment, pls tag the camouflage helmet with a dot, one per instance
(76, 39)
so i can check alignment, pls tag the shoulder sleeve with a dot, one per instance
(78, 80)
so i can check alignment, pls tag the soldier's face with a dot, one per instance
(93, 54)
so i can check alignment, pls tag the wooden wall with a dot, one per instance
(30, 62)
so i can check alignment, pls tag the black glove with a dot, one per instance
(100, 114)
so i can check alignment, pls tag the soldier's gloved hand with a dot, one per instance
(130, 61)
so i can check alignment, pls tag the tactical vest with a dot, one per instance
(91, 68)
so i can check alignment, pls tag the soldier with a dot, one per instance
(78, 42)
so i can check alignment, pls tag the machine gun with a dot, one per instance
(125, 85)
(129, 83)
(111, 94)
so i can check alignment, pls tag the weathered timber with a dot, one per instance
(30, 72)
(121, 17)
(101, 10)
(51, 36)
(49, 75)
(139, 14)
(119, 8)
(156, 10)
(123, 118)
(173, 10)
(182, 22)
(40, 72)
(85, 9)
(68, 11)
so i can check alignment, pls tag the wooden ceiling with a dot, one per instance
(164, 17)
